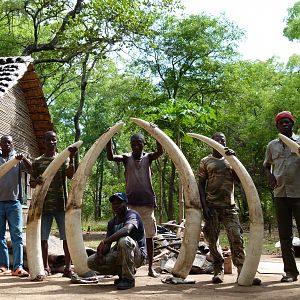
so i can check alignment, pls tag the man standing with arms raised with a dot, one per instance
(139, 188)
(282, 169)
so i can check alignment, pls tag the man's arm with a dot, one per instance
(110, 155)
(105, 244)
(26, 162)
(71, 168)
(159, 152)
(205, 208)
(270, 176)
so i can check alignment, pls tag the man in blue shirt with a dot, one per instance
(127, 230)
(11, 208)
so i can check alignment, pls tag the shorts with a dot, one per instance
(47, 220)
(148, 218)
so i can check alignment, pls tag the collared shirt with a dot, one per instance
(219, 181)
(9, 183)
(285, 167)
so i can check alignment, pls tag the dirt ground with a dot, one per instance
(57, 287)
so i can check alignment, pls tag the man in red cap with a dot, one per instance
(282, 169)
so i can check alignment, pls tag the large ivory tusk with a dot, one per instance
(73, 210)
(7, 166)
(290, 143)
(33, 229)
(256, 233)
(192, 199)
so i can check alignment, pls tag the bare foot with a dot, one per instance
(152, 273)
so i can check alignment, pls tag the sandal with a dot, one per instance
(5, 271)
(20, 272)
(47, 272)
(68, 273)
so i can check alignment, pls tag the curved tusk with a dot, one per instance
(192, 199)
(290, 143)
(74, 202)
(7, 166)
(256, 233)
(33, 228)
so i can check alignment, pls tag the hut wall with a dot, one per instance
(15, 120)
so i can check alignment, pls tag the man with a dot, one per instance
(127, 231)
(216, 187)
(282, 169)
(54, 205)
(139, 187)
(11, 208)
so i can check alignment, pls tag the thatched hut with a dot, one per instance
(23, 110)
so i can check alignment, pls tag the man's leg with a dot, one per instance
(4, 259)
(15, 223)
(46, 224)
(285, 228)
(60, 221)
(211, 232)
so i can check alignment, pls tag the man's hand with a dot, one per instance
(72, 150)
(207, 213)
(229, 151)
(39, 180)
(19, 156)
(272, 181)
(100, 249)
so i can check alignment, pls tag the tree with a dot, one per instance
(292, 29)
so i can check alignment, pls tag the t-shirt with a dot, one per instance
(139, 188)
(10, 183)
(219, 181)
(137, 233)
(55, 199)
(285, 167)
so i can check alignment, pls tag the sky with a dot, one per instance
(263, 21)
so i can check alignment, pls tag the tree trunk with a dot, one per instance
(170, 211)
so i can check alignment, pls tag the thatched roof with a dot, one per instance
(23, 110)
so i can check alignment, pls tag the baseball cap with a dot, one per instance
(284, 114)
(120, 196)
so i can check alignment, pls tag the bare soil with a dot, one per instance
(57, 287)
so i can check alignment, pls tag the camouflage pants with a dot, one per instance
(121, 260)
(229, 218)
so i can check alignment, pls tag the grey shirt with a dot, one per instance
(9, 183)
(285, 167)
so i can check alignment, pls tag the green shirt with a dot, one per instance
(218, 175)
(57, 193)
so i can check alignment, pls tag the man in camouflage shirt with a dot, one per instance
(216, 187)
(54, 204)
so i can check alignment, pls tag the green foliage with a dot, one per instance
(292, 29)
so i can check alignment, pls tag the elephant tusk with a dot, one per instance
(33, 228)
(294, 147)
(192, 199)
(256, 233)
(7, 166)
(74, 202)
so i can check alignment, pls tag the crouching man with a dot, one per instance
(126, 231)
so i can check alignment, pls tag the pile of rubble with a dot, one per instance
(167, 245)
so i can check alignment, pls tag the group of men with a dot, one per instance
(129, 238)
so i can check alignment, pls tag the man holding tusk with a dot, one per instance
(216, 188)
(282, 169)
(55, 200)
(11, 208)
(126, 231)
(139, 188)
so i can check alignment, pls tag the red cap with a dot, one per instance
(284, 114)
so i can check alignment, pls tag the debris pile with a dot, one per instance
(167, 245)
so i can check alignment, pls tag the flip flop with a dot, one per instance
(20, 272)
(5, 271)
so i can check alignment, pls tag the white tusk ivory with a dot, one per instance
(256, 233)
(192, 199)
(73, 209)
(7, 166)
(33, 228)
(290, 143)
